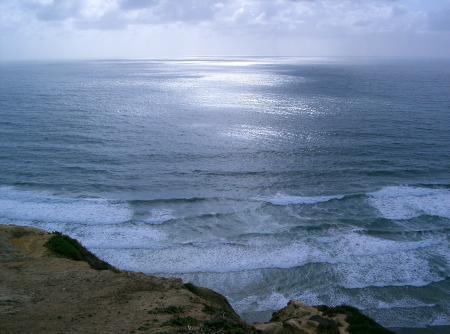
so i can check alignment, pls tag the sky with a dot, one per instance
(93, 29)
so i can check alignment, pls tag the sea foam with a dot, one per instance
(403, 202)
(159, 216)
(18, 205)
(118, 236)
(282, 199)
(357, 260)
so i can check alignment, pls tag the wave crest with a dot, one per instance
(18, 205)
(405, 202)
(282, 199)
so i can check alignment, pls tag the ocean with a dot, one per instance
(267, 179)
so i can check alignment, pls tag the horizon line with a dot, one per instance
(200, 57)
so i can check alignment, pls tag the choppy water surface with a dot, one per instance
(267, 179)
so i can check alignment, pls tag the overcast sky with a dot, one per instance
(40, 29)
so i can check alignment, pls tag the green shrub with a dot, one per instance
(182, 321)
(170, 310)
(64, 246)
(358, 322)
(209, 310)
(223, 326)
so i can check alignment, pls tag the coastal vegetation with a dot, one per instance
(65, 246)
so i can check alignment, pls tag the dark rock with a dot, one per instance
(326, 326)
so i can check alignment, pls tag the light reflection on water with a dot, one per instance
(265, 178)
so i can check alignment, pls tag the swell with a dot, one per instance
(357, 260)
(175, 200)
(392, 202)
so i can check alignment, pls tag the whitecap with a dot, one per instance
(159, 216)
(119, 236)
(282, 199)
(403, 202)
(255, 303)
(27, 206)
(357, 260)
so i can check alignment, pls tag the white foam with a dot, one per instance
(441, 319)
(159, 216)
(398, 269)
(118, 236)
(357, 260)
(114, 236)
(361, 261)
(18, 205)
(273, 301)
(377, 303)
(281, 199)
(402, 202)
(342, 246)
(219, 258)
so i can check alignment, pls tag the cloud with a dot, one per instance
(232, 26)
(137, 4)
(54, 10)
(289, 15)
(189, 11)
(439, 20)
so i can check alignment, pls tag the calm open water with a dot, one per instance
(267, 179)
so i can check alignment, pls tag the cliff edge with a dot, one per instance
(49, 283)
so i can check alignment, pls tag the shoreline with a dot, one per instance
(52, 284)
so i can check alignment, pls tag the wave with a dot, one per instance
(269, 290)
(393, 202)
(281, 199)
(116, 236)
(335, 297)
(391, 312)
(119, 236)
(19, 205)
(357, 260)
(175, 200)
(159, 216)
(406, 202)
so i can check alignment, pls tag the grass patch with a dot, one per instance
(221, 303)
(358, 322)
(143, 328)
(182, 321)
(223, 326)
(64, 246)
(19, 233)
(169, 310)
(209, 310)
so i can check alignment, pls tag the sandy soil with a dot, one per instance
(44, 293)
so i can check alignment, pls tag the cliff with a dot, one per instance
(49, 283)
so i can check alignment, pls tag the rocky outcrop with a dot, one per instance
(302, 319)
(298, 318)
(49, 283)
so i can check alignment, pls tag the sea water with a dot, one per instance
(267, 179)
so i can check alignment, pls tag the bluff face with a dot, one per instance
(49, 283)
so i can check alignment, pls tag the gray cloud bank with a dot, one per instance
(289, 14)
(240, 26)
